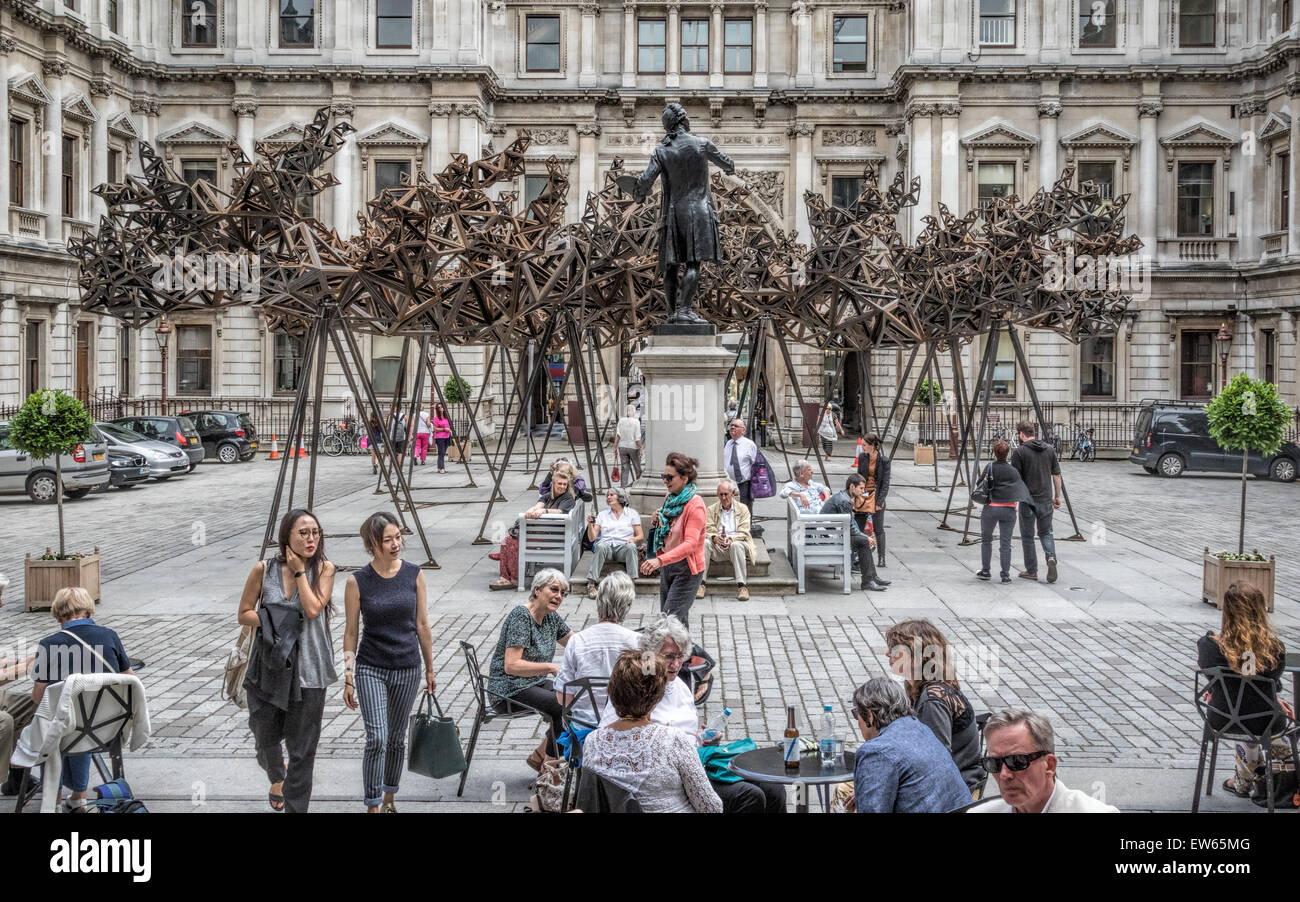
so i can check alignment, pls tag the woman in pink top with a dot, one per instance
(441, 434)
(677, 538)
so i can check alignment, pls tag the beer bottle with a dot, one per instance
(790, 749)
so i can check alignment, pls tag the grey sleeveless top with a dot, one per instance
(315, 646)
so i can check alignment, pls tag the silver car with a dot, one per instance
(163, 460)
(84, 470)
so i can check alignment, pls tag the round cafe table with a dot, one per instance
(768, 766)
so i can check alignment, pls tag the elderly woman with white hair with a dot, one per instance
(519, 675)
(591, 653)
(667, 638)
(614, 533)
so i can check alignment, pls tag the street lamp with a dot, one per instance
(1224, 341)
(162, 336)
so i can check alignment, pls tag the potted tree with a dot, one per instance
(456, 391)
(51, 424)
(927, 395)
(1246, 416)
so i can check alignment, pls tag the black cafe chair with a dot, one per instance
(486, 712)
(581, 689)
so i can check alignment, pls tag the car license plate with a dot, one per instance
(253, 445)
(99, 455)
(1137, 451)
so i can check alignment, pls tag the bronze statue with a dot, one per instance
(688, 229)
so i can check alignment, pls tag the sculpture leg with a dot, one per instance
(670, 289)
(685, 312)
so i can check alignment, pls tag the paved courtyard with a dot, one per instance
(1106, 652)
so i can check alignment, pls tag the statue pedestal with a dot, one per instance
(683, 409)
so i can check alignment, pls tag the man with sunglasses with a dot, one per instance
(1022, 758)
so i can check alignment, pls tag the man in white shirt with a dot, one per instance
(593, 651)
(726, 537)
(738, 456)
(627, 438)
(1022, 758)
(809, 494)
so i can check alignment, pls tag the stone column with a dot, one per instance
(801, 17)
(673, 46)
(1049, 111)
(715, 44)
(920, 153)
(1293, 209)
(1051, 26)
(588, 163)
(468, 140)
(468, 52)
(7, 46)
(1148, 173)
(99, 146)
(802, 133)
(439, 151)
(145, 111)
(245, 110)
(922, 38)
(1253, 193)
(760, 44)
(51, 144)
(587, 76)
(345, 192)
(629, 43)
(950, 156)
(243, 30)
(1150, 24)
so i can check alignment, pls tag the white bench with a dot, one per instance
(819, 540)
(553, 540)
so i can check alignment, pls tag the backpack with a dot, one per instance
(761, 483)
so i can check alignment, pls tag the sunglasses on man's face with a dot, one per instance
(1014, 763)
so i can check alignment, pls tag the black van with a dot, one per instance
(1173, 436)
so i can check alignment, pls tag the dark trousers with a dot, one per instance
(744, 797)
(878, 523)
(541, 698)
(1005, 519)
(442, 444)
(862, 548)
(744, 491)
(1036, 518)
(677, 587)
(299, 731)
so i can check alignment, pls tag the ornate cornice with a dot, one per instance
(438, 108)
(471, 109)
(1150, 107)
(589, 129)
(801, 130)
(144, 107)
(1252, 106)
(342, 109)
(55, 68)
(101, 87)
(589, 9)
(244, 106)
(1049, 108)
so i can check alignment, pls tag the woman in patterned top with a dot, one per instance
(521, 671)
(919, 653)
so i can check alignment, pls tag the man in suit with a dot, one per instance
(726, 537)
(738, 457)
(1022, 758)
(688, 225)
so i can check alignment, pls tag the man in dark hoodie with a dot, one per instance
(1035, 460)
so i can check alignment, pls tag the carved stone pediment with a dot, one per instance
(289, 133)
(123, 127)
(1104, 137)
(1198, 137)
(390, 134)
(28, 87)
(999, 136)
(195, 133)
(1276, 125)
(79, 108)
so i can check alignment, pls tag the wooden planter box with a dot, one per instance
(459, 450)
(42, 579)
(1219, 574)
(924, 456)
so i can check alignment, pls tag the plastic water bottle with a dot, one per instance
(717, 726)
(828, 742)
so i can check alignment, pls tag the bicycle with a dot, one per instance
(340, 437)
(1083, 446)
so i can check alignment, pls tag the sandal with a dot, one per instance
(702, 689)
(501, 584)
(1230, 785)
(276, 800)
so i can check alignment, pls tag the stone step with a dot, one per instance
(776, 578)
(760, 567)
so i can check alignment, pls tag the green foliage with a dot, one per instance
(928, 392)
(1228, 556)
(50, 423)
(456, 391)
(1248, 416)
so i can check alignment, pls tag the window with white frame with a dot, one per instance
(287, 364)
(695, 46)
(542, 43)
(198, 23)
(111, 16)
(849, 44)
(1097, 368)
(1004, 366)
(1195, 199)
(1101, 173)
(385, 360)
(393, 24)
(124, 360)
(995, 180)
(651, 46)
(997, 23)
(194, 358)
(1098, 23)
(297, 23)
(738, 46)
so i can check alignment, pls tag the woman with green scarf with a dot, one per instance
(676, 540)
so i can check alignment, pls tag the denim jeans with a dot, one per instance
(1036, 517)
(1004, 518)
(76, 772)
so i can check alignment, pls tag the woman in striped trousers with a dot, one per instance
(385, 602)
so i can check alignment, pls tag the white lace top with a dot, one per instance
(658, 764)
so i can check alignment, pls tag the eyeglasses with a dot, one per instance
(724, 494)
(1014, 763)
(309, 533)
(671, 658)
(667, 477)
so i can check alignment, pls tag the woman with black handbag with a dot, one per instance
(291, 665)
(385, 601)
(999, 489)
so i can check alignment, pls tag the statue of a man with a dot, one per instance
(688, 227)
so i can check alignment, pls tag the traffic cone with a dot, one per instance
(856, 452)
(275, 452)
(302, 448)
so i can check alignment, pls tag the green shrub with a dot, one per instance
(456, 391)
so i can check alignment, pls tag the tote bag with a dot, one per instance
(434, 742)
(761, 483)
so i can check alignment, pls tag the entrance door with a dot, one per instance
(84, 333)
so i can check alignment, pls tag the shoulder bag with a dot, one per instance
(983, 486)
(433, 742)
(232, 681)
(761, 483)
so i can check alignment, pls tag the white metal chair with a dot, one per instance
(551, 540)
(818, 540)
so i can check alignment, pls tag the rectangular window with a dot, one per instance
(1004, 366)
(84, 359)
(70, 4)
(1097, 25)
(849, 39)
(1268, 354)
(114, 173)
(193, 171)
(1196, 365)
(34, 357)
(297, 23)
(393, 23)
(738, 46)
(695, 45)
(1103, 174)
(845, 190)
(69, 158)
(1195, 198)
(17, 142)
(199, 23)
(996, 180)
(534, 185)
(1285, 24)
(388, 173)
(288, 361)
(542, 44)
(112, 16)
(650, 45)
(124, 361)
(1097, 368)
(306, 206)
(385, 357)
(997, 23)
(193, 359)
(1284, 190)
(1196, 23)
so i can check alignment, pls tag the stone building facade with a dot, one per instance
(1184, 105)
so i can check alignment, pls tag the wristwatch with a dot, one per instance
(299, 573)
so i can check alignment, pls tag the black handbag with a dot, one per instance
(983, 486)
(433, 742)
(1286, 792)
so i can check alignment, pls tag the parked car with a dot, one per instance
(228, 436)
(176, 431)
(84, 470)
(1171, 437)
(126, 468)
(164, 460)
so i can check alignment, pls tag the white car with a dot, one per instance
(163, 460)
